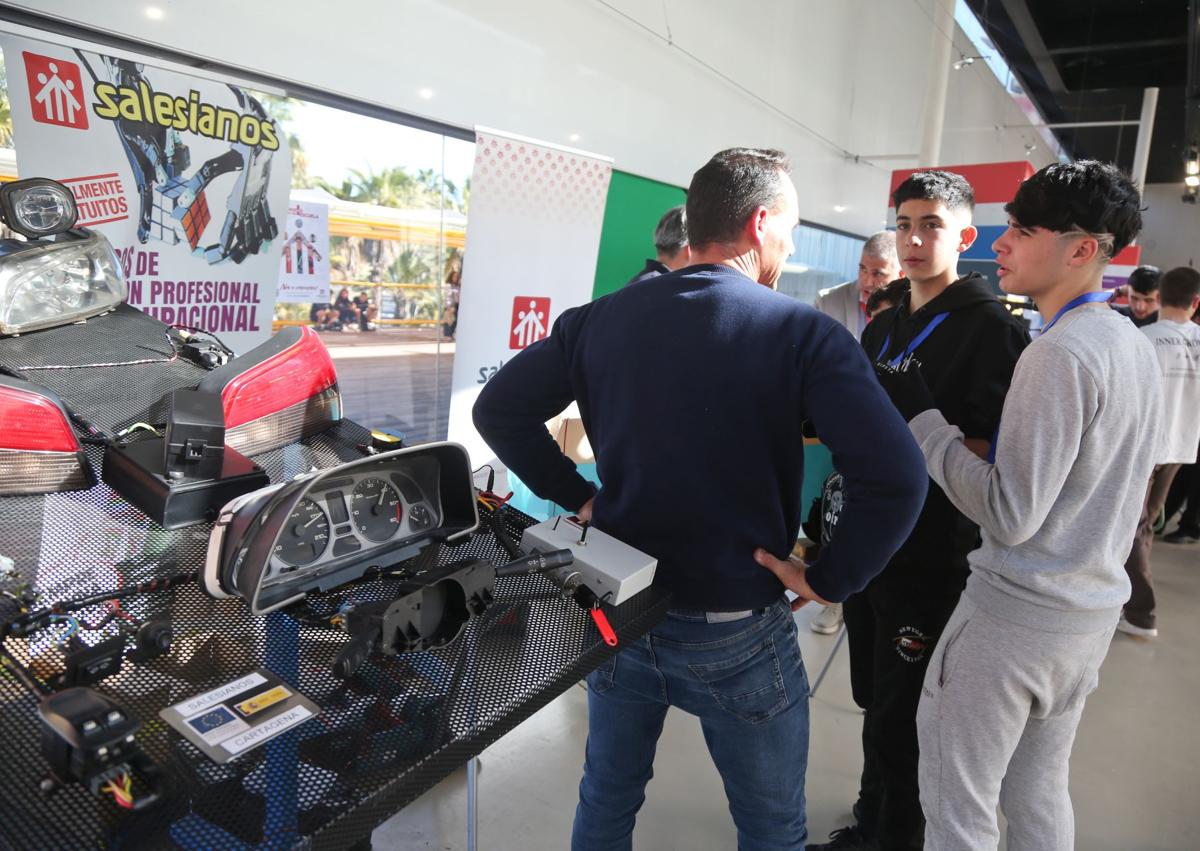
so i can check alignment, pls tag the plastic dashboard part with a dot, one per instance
(274, 545)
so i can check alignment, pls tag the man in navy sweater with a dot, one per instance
(693, 387)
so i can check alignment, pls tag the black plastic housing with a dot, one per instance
(195, 436)
(135, 471)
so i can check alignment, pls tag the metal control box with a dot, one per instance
(612, 569)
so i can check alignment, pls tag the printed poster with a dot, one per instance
(188, 179)
(304, 264)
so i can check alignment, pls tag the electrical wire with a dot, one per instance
(194, 330)
(122, 791)
(174, 357)
(24, 676)
(34, 620)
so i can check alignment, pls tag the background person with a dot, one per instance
(702, 346)
(1176, 342)
(347, 312)
(367, 311)
(887, 297)
(1142, 289)
(670, 245)
(877, 265)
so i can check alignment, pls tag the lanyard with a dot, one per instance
(1074, 303)
(1086, 298)
(916, 341)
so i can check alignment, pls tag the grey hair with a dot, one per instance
(882, 245)
(670, 237)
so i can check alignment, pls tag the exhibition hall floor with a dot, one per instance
(1134, 778)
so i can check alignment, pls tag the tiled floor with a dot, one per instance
(1135, 774)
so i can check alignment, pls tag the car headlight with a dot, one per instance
(38, 207)
(44, 284)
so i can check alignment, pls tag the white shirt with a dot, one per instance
(1177, 345)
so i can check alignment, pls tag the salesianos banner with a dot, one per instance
(187, 177)
(534, 232)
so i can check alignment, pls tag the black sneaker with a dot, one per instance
(846, 839)
(1183, 535)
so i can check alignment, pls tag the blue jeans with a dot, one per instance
(746, 683)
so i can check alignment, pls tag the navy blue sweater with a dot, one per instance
(692, 387)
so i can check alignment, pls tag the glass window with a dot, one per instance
(823, 259)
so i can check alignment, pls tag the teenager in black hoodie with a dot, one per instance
(967, 345)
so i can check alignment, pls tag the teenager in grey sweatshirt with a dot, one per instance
(1057, 509)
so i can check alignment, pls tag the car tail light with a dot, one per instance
(275, 394)
(39, 452)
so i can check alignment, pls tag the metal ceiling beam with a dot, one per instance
(1118, 45)
(1027, 30)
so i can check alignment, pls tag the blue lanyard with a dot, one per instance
(1086, 298)
(1074, 303)
(916, 341)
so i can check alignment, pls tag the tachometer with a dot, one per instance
(376, 509)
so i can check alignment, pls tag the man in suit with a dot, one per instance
(877, 266)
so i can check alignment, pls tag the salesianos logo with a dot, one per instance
(55, 91)
(529, 321)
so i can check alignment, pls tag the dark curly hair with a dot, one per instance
(1144, 279)
(945, 186)
(892, 293)
(1087, 195)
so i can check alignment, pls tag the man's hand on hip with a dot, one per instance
(791, 573)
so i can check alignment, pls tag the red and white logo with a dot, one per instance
(55, 91)
(530, 320)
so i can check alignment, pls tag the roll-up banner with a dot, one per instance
(187, 177)
(532, 241)
(304, 266)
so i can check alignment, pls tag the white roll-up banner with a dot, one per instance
(187, 177)
(532, 240)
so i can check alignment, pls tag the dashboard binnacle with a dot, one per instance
(354, 515)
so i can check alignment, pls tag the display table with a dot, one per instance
(382, 738)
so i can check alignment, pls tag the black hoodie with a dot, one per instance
(968, 362)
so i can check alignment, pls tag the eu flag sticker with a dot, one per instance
(216, 724)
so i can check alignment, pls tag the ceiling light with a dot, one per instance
(839, 208)
(574, 137)
(426, 94)
(964, 61)
(154, 13)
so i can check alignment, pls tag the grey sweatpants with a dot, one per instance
(996, 723)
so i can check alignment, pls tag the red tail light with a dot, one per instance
(39, 452)
(277, 393)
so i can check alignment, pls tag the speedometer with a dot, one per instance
(304, 536)
(376, 509)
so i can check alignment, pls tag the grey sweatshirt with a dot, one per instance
(1058, 509)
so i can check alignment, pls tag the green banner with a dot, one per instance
(634, 207)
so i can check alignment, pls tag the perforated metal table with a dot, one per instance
(383, 737)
